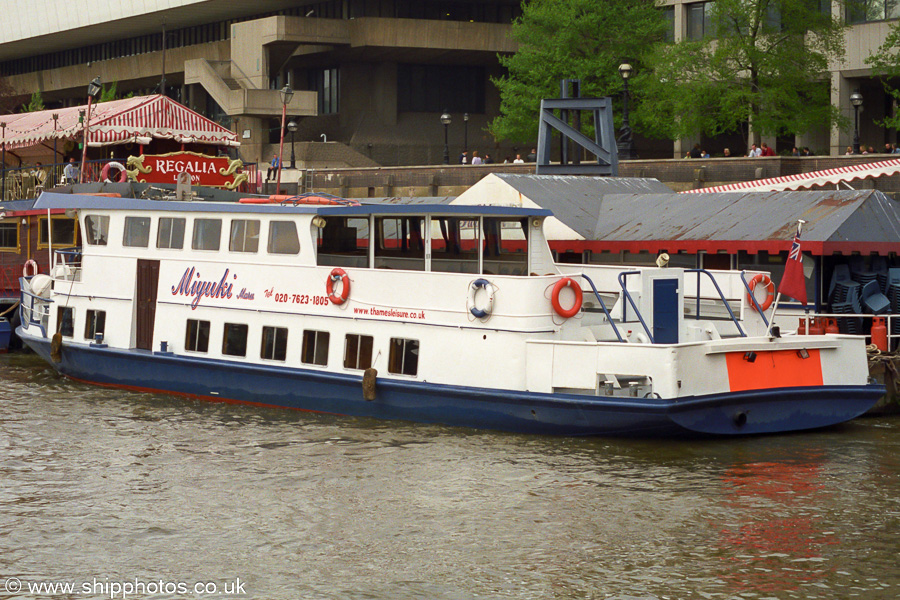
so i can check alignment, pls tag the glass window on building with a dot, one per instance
(699, 20)
(327, 83)
(63, 232)
(435, 88)
(9, 235)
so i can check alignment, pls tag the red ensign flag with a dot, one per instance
(793, 283)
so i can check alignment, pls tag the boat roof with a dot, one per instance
(50, 200)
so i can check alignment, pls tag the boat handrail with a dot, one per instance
(603, 306)
(756, 305)
(628, 297)
(721, 296)
(27, 310)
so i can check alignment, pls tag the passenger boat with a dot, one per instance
(429, 313)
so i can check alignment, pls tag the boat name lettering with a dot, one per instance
(189, 286)
(181, 166)
(374, 311)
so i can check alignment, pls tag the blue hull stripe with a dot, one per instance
(740, 413)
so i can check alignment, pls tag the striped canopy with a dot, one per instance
(117, 122)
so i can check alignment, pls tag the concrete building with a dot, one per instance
(869, 24)
(373, 75)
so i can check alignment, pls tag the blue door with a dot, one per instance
(665, 311)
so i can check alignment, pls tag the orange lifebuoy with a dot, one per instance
(104, 173)
(338, 275)
(34, 268)
(770, 295)
(554, 297)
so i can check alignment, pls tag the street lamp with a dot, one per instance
(3, 160)
(55, 155)
(856, 100)
(93, 90)
(624, 142)
(286, 94)
(292, 127)
(466, 139)
(445, 119)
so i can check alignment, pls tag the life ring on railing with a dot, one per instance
(334, 276)
(104, 173)
(770, 295)
(34, 267)
(481, 313)
(554, 297)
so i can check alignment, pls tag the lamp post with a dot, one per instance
(624, 142)
(856, 100)
(445, 120)
(3, 160)
(55, 122)
(292, 127)
(93, 90)
(466, 138)
(286, 94)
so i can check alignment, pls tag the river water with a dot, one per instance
(103, 489)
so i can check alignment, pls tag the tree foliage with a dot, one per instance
(35, 104)
(885, 63)
(569, 39)
(765, 62)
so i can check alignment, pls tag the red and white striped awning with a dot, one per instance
(809, 180)
(137, 120)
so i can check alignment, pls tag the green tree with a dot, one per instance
(569, 39)
(35, 104)
(108, 94)
(885, 63)
(767, 66)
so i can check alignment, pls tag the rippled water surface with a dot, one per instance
(100, 486)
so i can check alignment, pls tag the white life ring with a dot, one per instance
(34, 268)
(104, 174)
(488, 308)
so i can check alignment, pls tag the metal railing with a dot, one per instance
(34, 310)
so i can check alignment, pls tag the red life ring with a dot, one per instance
(34, 267)
(104, 174)
(338, 275)
(770, 295)
(554, 297)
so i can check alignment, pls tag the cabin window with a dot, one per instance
(234, 342)
(96, 229)
(65, 319)
(401, 243)
(9, 235)
(196, 337)
(315, 347)
(505, 246)
(283, 238)
(454, 245)
(94, 323)
(244, 236)
(404, 357)
(171, 233)
(357, 351)
(343, 243)
(207, 233)
(63, 232)
(137, 232)
(274, 343)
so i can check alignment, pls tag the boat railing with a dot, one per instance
(622, 277)
(33, 309)
(752, 297)
(603, 306)
(68, 265)
(721, 296)
(857, 324)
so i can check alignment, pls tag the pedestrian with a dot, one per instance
(487, 159)
(849, 151)
(40, 175)
(273, 168)
(476, 160)
(795, 151)
(464, 158)
(518, 159)
(704, 154)
(70, 173)
(766, 150)
(896, 148)
(727, 153)
(695, 152)
(532, 156)
(888, 149)
(755, 151)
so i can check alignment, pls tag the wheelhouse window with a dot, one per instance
(94, 323)
(234, 341)
(400, 243)
(171, 233)
(207, 233)
(96, 229)
(315, 347)
(283, 238)
(9, 235)
(357, 351)
(404, 357)
(274, 343)
(505, 246)
(137, 232)
(244, 236)
(63, 232)
(196, 337)
(454, 245)
(343, 242)
(65, 319)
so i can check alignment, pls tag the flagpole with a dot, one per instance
(800, 223)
